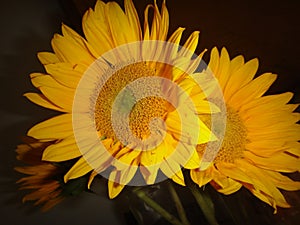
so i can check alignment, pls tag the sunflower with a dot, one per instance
(42, 176)
(261, 136)
(123, 94)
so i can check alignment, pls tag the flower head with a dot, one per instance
(128, 97)
(261, 136)
(42, 177)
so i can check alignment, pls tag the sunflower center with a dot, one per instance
(136, 104)
(143, 115)
(234, 139)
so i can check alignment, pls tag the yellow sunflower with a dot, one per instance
(103, 128)
(261, 137)
(41, 179)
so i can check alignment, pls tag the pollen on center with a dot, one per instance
(234, 140)
(141, 111)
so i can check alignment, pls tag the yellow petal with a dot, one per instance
(121, 32)
(58, 127)
(173, 170)
(281, 181)
(48, 58)
(236, 63)
(237, 173)
(257, 121)
(227, 185)
(274, 101)
(126, 157)
(160, 23)
(133, 19)
(195, 63)
(149, 173)
(265, 185)
(190, 45)
(261, 187)
(164, 25)
(277, 133)
(119, 178)
(72, 48)
(152, 159)
(201, 106)
(96, 29)
(178, 178)
(214, 61)
(79, 169)
(294, 150)
(62, 97)
(91, 178)
(193, 162)
(202, 177)
(114, 189)
(184, 128)
(55, 92)
(253, 90)
(65, 73)
(64, 150)
(153, 156)
(126, 175)
(146, 23)
(240, 78)
(280, 162)
(223, 74)
(176, 36)
(41, 100)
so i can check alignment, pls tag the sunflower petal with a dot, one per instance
(160, 23)
(193, 162)
(41, 100)
(214, 61)
(241, 77)
(281, 181)
(65, 73)
(226, 185)
(176, 36)
(47, 58)
(64, 150)
(91, 178)
(96, 29)
(79, 169)
(273, 101)
(121, 32)
(262, 188)
(252, 90)
(114, 188)
(190, 45)
(58, 127)
(149, 173)
(72, 47)
(280, 162)
(133, 19)
(173, 170)
(224, 69)
(55, 92)
(202, 177)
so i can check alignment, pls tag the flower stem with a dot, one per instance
(178, 204)
(203, 200)
(154, 205)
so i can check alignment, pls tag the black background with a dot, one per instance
(269, 30)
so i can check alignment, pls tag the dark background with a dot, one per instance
(269, 30)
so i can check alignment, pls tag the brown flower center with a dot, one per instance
(133, 112)
(234, 140)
